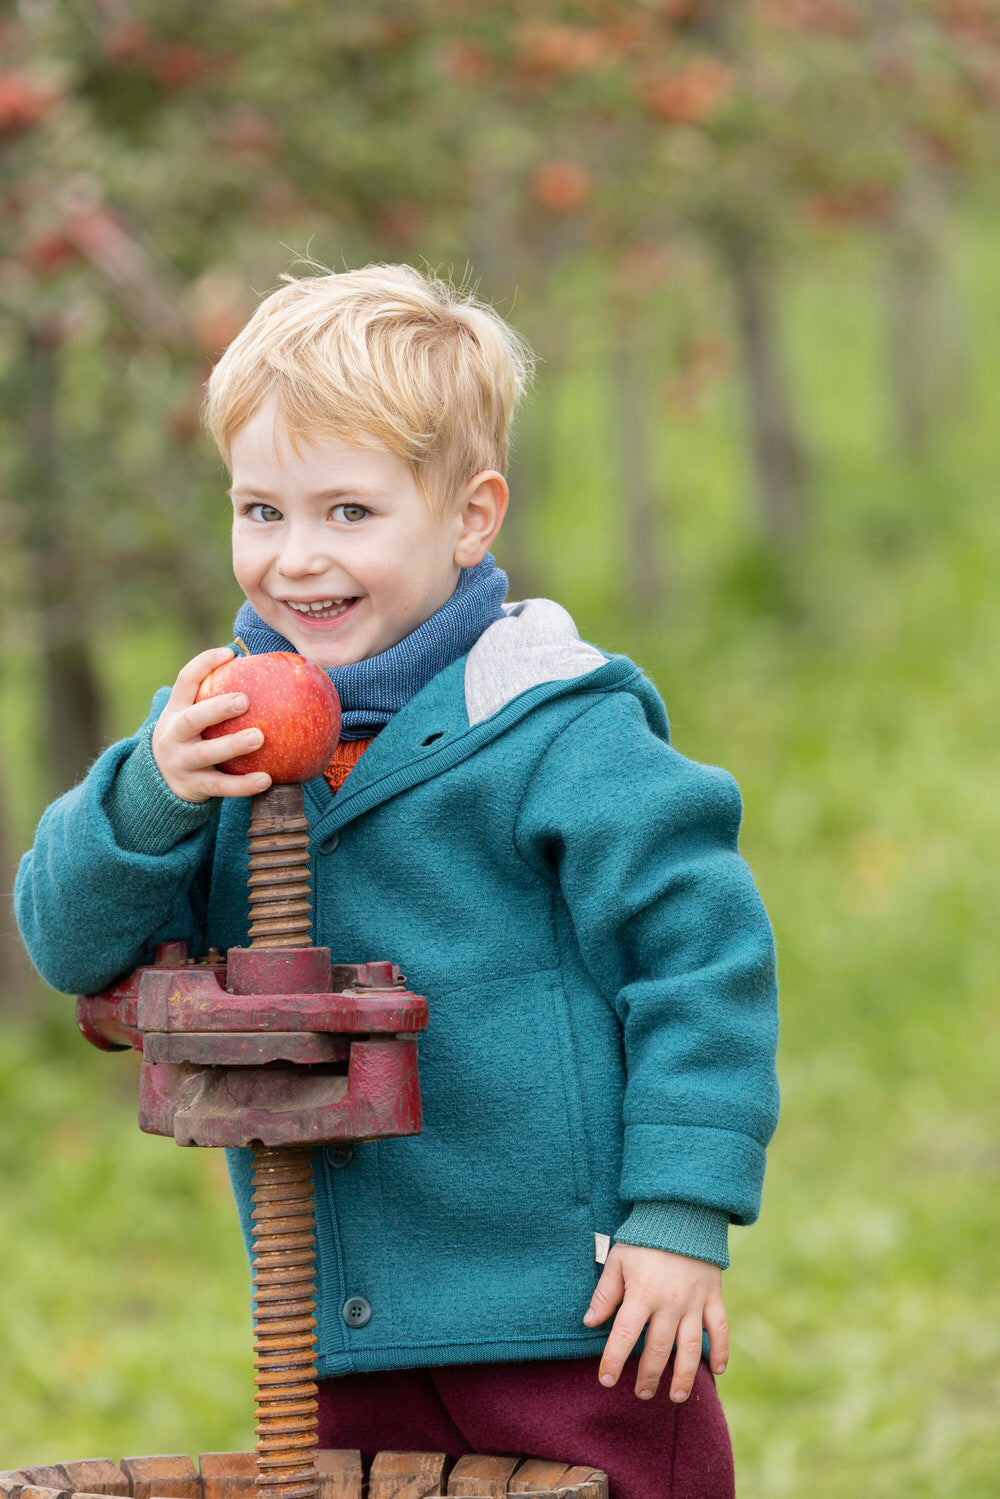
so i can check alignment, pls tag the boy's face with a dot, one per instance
(336, 548)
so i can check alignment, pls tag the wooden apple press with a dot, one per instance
(272, 1047)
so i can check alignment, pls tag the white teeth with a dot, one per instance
(322, 606)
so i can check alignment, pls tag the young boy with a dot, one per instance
(505, 820)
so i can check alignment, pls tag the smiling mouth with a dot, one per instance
(320, 608)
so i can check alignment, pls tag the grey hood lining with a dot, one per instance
(535, 642)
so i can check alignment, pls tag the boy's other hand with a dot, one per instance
(676, 1296)
(187, 762)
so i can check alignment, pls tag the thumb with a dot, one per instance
(607, 1293)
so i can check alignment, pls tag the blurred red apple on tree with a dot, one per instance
(24, 101)
(690, 96)
(292, 702)
(561, 186)
(48, 254)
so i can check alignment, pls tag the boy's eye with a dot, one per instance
(351, 512)
(263, 512)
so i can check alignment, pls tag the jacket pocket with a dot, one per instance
(569, 1072)
(503, 1132)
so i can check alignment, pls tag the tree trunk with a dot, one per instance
(527, 486)
(776, 450)
(73, 700)
(15, 970)
(924, 338)
(645, 570)
(498, 254)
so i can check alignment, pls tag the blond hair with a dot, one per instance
(382, 353)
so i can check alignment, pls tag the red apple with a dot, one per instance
(292, 702)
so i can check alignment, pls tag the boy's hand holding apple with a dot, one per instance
(188, 762)
(204, 745)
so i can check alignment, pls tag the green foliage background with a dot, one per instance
(846, 674)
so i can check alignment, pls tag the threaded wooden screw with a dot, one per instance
(278, 848)
(284, 1243)
(284, 1269)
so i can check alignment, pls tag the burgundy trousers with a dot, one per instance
(650, 1449)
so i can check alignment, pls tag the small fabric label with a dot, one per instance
(602, 1247)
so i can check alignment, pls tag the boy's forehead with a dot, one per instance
(266, 453)
(267, 463)
(266, 440)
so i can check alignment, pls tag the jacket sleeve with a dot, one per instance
(113, 870)
(669, 925)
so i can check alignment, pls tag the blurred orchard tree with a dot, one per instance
(670, 157)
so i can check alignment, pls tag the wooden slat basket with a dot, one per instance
(342, 1475)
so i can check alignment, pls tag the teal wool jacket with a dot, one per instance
(566, 890)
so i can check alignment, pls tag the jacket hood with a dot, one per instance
(535, 642)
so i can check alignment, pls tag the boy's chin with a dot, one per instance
(332, 659)
(331, 653)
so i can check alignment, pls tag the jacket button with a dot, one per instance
(339, 1156)
(329, 844)
(356, 1311)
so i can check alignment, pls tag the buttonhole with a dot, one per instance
(431, 738)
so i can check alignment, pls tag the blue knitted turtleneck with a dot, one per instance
(371, 691)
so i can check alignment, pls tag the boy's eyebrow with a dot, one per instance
(342, 491)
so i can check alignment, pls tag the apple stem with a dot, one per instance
(241, 644)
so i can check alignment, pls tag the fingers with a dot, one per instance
(615, 1289)
(673, 1298)
(186, 760)
(718, 1334)
(607, 1293)
(218, 783)
(667, 1333)
(656, 1352)
(199, 754)
(189, 766)
(197, 718)
(627, 1325)
(686, 1358)
(625, 1333)
(192, 717)
(193, 762)
(194, 672)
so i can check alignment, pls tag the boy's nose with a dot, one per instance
(303, 553)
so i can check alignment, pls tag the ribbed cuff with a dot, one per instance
(681, 1227)
(146, 816)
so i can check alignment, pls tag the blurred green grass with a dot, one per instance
(851, 689)
(126, 1286)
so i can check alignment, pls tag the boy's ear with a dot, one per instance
(480, 516)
